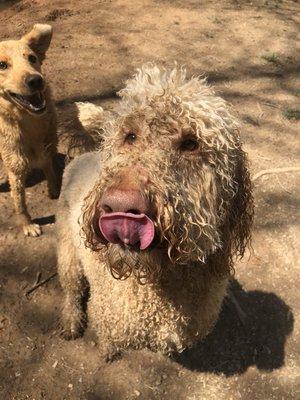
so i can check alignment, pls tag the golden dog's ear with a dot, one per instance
(242, 208)
(38, 39)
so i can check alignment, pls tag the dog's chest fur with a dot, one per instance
(167, 316)
(26, 136)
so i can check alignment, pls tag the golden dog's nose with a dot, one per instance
(34, 82)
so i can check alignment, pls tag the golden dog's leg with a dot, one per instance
(17, 185)
(52, 181)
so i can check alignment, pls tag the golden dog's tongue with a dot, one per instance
(127, 228)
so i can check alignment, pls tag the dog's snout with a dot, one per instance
(128, 201)
(34, 82)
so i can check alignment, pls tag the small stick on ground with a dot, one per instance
(274, 171)
(37, 285)
(38, 278)
(271, 105)
(281, 185)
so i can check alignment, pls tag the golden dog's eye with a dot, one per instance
(130, 137)
(3, 65)
(32, 59)
(189, 144)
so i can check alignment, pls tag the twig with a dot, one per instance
(37, 285)
(38, 278)
(274, 171)
(271, 105)
(281, 185)
(263, 157)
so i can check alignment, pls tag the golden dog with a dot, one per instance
(28, 136)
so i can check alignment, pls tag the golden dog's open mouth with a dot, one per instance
(35, 103)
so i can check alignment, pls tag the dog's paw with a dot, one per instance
(71, 330)
(33, 230)
(112, 354)
(71, 334)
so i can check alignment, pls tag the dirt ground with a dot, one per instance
(248, 50)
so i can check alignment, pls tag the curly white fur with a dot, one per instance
(203, 215)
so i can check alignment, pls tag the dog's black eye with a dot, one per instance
(189, 144)
(32, 59)
(130, 137)
(3, 65)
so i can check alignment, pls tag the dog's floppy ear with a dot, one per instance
(242, 207)
(38, 39)
(90, 116)
(236, 231)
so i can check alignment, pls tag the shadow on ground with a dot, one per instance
(8, 3)
(91, 97)
(230, 349)
(233, 346)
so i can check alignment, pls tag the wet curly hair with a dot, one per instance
(187, 148)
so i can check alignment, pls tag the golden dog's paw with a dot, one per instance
(33, 230)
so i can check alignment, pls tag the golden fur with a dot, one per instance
(188, 162)
(27, 138)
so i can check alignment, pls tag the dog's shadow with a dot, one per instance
(234, 346)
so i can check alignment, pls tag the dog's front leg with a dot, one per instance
(17, 186)
(72, 281)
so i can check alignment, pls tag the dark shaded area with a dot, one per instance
(277, 201)
(8, 3)
(232, 347)
(59, 166)
(37, 176)
(4, 187)
(111, 94)
(49, 219)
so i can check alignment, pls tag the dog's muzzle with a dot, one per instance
(125, 218)
(35, 103)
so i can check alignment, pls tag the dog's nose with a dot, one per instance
(34, 81)
(128, 201)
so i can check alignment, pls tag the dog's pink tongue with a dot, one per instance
(127, 228)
